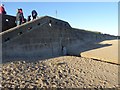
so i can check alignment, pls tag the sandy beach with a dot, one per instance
(108, 53)
(96, 68)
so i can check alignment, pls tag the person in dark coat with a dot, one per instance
(21, 16)
(34, 14)
(29, 18)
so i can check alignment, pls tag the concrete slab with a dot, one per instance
(108, 53)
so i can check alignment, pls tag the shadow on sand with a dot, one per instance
(87, 47)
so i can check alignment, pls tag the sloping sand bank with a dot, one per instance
(108, 53)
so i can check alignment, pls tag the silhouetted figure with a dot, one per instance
(21, 16)
(34, 14)
(29, 18)
(2, 9)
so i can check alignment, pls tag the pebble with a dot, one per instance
(67, 71)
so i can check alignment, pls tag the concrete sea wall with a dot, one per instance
(7, 22)
(45, 38)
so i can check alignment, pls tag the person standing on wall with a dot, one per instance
(29, 18)
(21, 16)
(2, 9)
(34, 14)
(18, 17)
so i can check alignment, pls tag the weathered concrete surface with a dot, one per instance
(45, 37)
(0, 39)
(0, 23)
(108, 53)
(7, 22)
(35, 39)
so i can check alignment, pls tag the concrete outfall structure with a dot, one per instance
(44, 38)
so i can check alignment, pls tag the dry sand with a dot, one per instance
(61, 72)
(108, 53)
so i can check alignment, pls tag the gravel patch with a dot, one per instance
(61, 72)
